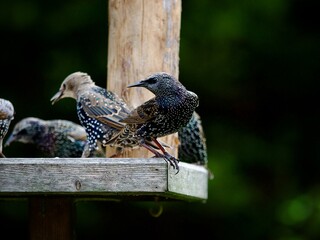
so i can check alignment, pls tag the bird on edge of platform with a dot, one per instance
(169, 110)
(6, 116)
(192, 146)
(53, 138)
(98, 109)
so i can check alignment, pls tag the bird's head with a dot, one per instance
(70, 86)
(158, 83)
(25, 130)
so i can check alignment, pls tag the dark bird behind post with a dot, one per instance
(192, 142)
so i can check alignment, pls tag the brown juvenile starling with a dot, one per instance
(170, 109)
(98, 110)
(53, 138)
(6, 116)
(192, 147)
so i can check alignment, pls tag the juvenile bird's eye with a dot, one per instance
(152, 80)
(22, 132)
(64, 86)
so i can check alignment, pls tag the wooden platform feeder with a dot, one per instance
(143, 38)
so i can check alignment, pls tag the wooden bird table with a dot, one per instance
(52, 185)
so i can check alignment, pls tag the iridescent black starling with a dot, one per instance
(170, 109)
(53, 138)
(6, 116)
(192, 147)
(99, 110)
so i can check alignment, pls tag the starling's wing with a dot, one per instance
(143, 113)
(103, 109)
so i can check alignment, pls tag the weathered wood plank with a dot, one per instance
(115, 177)
(192, 181)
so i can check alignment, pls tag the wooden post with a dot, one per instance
(50, 218)
(143, 38)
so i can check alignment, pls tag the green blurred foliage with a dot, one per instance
(254, 65)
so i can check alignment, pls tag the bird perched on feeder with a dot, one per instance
(98, 109)
(192, 147)
(6, 116)
(53, 138)
(170, 109)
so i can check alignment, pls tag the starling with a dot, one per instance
(192, 147)
(170, 109)
(53, 138)
(6, 116)
(98, 109)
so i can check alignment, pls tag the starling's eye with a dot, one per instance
(64, 86)
(152, 80)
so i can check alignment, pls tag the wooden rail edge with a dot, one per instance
(102, 178)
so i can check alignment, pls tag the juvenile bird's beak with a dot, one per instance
(137, 84)
(56, 97)
(10, 140)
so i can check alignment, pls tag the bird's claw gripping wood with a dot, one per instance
(172, 160)
(166, 156)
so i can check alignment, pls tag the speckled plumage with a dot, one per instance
(99, 110)
(53, 138)
(192, 147)
(170, 109)
(6, 116)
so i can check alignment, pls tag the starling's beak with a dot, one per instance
(56, 97)
(137, 84)
(10, 140)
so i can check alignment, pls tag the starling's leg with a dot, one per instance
(151, 149)
(86, 151)
(99, 151)
(173, 161)
(157, 154)
(90, 151)
(165, 145)
(168, 156)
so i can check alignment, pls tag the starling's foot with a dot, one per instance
(173, 161)
(170, 159)
(166, 156)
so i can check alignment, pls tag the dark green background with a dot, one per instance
(255, 67)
